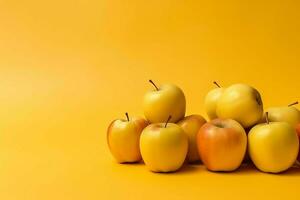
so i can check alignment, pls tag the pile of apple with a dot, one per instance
(238, 127)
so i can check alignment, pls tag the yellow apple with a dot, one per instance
(273, 146)
(211, 99)
(191, 125)
(222, 144)
(163, 147)
(241, 103)
(163, 101)
(288, 114)
(123, 138)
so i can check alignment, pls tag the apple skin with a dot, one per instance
(123, 139)
(210, 102)
(167, 100)
(191, 125)
(222, 144)
(242, 103)
(163, 149)
(298, 133)
(288, 114)
(273, 147)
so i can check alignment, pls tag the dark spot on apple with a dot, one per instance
(258, 98)
(220, 125)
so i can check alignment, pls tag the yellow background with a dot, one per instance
(67, 68)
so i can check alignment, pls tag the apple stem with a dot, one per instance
(267, 117)
(215, 82)
(153, 84)
(168, 120)
(127, 116)
(295, 103)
